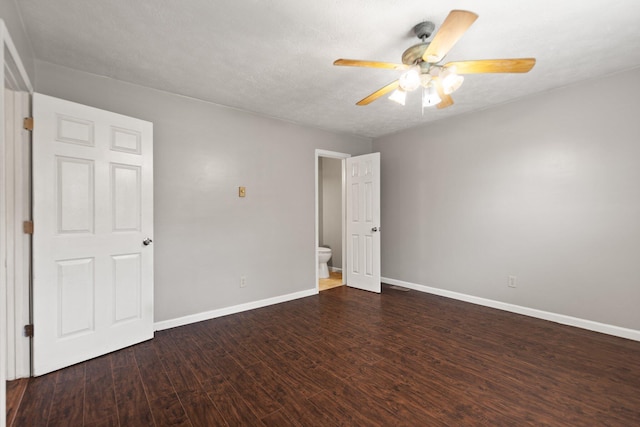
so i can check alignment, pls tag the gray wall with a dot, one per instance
(546, 188)
(331, 208)
(205, 236)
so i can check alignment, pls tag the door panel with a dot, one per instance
(363, 222)
(127, 287)
(93, 277)
(126, 185)
(75, 290)
(74, 194)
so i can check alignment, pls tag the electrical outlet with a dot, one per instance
(512, 281)
(243, 281)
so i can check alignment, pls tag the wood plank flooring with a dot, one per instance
(333, 281)
(349, 357)
(15, 391)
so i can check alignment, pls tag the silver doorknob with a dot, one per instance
(147, 241)
(374, 229)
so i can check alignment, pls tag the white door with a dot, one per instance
(363, 222)
(93, 214)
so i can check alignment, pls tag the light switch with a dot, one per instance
(242, 191)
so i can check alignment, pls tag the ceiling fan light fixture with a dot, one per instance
(425, 79)
(450, 80)
(399, 96)
(430, 97)
(410, 80)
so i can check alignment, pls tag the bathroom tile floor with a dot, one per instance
(334, 280)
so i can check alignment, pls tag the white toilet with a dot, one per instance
(324, 255)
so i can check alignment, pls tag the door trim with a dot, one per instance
(332, 155)
(18, 249)
(14, 76)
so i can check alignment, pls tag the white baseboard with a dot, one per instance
(335, 269)
(590, 325)
(193, 318)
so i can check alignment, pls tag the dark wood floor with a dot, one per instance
(348, 357)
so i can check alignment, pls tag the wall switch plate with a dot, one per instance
(243, 281)
(242, 191)
(512, 281)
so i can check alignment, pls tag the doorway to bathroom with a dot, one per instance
(330, 219)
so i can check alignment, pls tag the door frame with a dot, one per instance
(14, 75)
(341, 156)
(18, 244)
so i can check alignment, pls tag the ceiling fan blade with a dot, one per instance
(445, 100)
(369, 64)
(380, 92)
(453, 27)
(516, 65)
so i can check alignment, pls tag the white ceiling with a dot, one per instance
(274, 57)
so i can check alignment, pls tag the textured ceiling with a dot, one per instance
(274, 57)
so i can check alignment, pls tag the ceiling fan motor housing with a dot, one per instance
(414, 54)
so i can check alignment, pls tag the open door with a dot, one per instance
(93, 219)
(363, 222)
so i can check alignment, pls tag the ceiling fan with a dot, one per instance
(420, 64)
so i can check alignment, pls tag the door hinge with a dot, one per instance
(28, 123)
(27, 227)
(28, 331)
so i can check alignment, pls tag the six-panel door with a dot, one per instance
(93, 207)
(363, 222)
